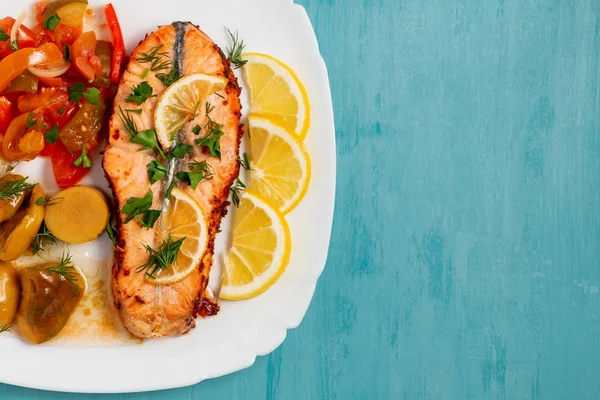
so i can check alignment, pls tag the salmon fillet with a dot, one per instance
(146, 309)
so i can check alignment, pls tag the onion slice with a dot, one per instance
(51, 72)
(17, 25)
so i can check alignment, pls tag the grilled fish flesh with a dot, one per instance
(146, 309)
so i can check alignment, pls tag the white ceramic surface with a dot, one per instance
(242, 330)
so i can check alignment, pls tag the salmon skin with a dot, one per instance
(148, 310)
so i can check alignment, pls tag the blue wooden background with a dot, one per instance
(465, 257)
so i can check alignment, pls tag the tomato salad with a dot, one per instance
(57, 81)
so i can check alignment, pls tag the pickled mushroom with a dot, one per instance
(20, 230)
(50, 295)
(9, 293)
(10, 205)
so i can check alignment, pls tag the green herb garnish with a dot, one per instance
(148, 219)
(156, 171)
(5, 328)
(180, 150)
(140, 93)
(14, 188)
(168, 79)
(156, 59)
(235, 52)
(3, 35)
(52, 135)
(31, 122)
(14, 45)
(199, 171)
(196, 130)
(110, 231)
(41, 201)
(140, 206)
(61, 110)
(236, 192)
(42, 239)
(245, 162)
(128, 124)
(148, 140)
(76, 91)
(92, 95)
(83, 159)
(145, 73)
(161, 259)
(138, 111)
(212, 141)
(65, 268)
(52, 22)
(196, 110)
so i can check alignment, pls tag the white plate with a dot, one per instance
(243, 330)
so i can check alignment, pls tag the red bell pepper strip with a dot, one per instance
(118, 43)
(5, 114)
(65, 172)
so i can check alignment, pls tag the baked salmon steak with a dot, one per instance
(171, 158)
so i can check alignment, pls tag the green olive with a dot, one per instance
(47, 302)
(9, 293)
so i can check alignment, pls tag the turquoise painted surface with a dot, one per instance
(464, 261)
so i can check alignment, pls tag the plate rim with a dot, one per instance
(331, 177)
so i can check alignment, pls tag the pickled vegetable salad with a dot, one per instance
(56, 81)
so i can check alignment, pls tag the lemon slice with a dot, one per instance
(280, 164)
(180, 101)
(276, 92)
(183, 218)
(260, 250)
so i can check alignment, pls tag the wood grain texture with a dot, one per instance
(464, 261)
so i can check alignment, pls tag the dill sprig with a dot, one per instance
(236, 192)
(168, 79)
(14, 188)
(156, 59)
(235, 52)
(147, 138)
(41, 201)
(5, 328)
(161, 259)
(14, 45)
(128, 123)
(65, 268)
(245, 162)
(43, 238)
(31, 122)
